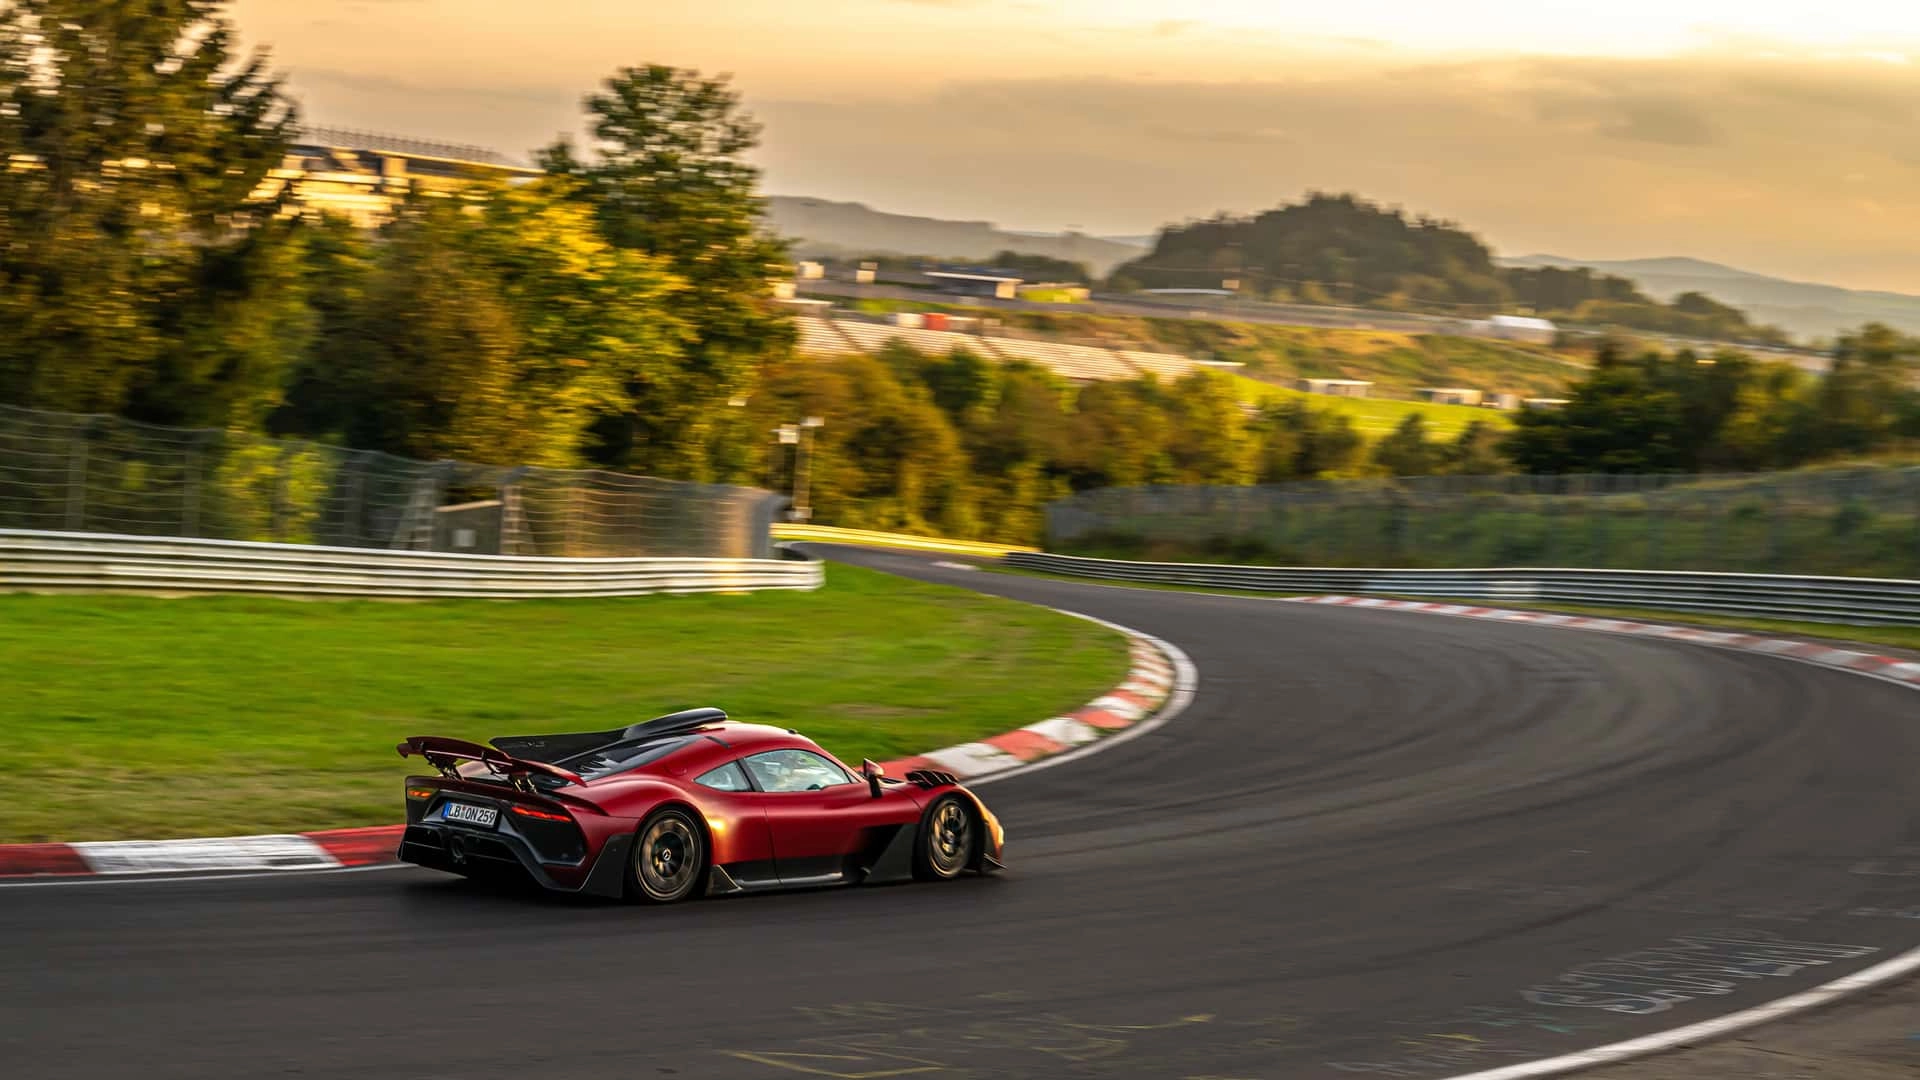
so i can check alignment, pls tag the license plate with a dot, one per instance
(461, 814)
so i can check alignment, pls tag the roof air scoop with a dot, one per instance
(686, 720)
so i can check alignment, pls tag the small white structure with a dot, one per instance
(1517, 328)
(996, 286)
(1336, 387)
(866, 273)
(912, 319)
(1501, 401)
(810, 271)
(1450, 395)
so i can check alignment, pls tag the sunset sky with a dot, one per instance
(1729, 130)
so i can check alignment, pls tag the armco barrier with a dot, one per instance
(826, 534)
(97, 562)
(1823, 599)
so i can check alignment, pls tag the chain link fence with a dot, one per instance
(102, 474)
(1855, 522)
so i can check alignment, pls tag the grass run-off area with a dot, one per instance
(138, 717)
(1376, 417)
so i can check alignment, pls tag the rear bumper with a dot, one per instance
(484, 853)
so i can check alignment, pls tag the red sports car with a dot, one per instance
(686, 804)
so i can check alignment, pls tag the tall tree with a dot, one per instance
(138, 273)
(494, 331)
(1408, 451)
(667, 176)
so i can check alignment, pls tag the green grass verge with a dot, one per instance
(136, 717)
(1375, 417)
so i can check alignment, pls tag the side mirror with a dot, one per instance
(871, 769)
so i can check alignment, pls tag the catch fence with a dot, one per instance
(101, 474)
(1855, 522)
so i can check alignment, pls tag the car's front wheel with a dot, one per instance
(949, 836)
(668, 858)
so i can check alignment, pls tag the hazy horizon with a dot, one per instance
(1644, 131)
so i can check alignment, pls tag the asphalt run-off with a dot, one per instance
(1376, 843)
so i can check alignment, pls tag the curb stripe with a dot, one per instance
(21, 860)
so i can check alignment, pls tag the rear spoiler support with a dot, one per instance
(447, 754)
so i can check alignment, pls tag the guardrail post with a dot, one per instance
(277, 506)
(513, 519)
(190, 499)
(77, 480)
(570, 540)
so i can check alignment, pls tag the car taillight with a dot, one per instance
(539, 815)
(420, 793)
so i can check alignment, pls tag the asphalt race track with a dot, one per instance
(1376, 844)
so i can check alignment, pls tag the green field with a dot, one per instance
(1851, 522)
(135, 717)
(1374, 417)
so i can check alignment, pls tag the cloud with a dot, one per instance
(1739, 160)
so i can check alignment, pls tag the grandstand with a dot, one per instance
(871, 337)
(1081, 363)
(1166, 365)
(820, 335)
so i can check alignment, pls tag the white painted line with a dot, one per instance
(168, 879)
(282, 852)
(1717, 1028)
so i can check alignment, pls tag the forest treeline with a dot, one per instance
(616, 313)
(1343, 249)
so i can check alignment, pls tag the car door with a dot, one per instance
(819, 814)
(737, 816)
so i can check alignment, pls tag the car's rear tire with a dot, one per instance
(949, 840)
(669, 858)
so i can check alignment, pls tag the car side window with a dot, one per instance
(727, 777)
(795, 770)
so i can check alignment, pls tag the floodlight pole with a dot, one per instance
(802, 468)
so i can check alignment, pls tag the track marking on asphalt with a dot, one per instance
(168, 879)
(1899, 967)
(1717, 1028)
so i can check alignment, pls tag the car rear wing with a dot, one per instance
(447, 754)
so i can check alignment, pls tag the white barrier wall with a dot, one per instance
(98, 562)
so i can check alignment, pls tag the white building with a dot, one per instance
(1336, 387)
(1450, 395)
(1517, 328)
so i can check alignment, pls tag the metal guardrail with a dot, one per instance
(829, 535)
(1774, 596)
(32, 561)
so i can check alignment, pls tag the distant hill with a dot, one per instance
(820, 227)
(1801, 308)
